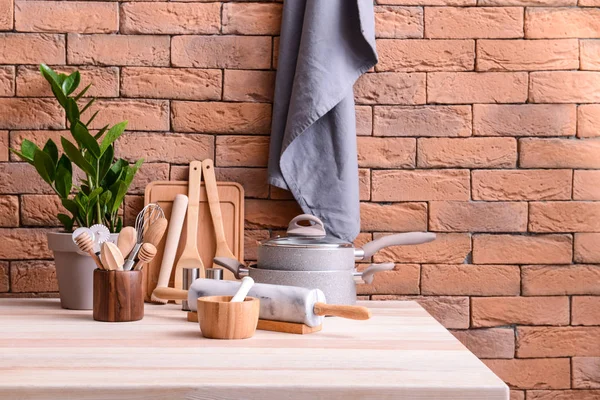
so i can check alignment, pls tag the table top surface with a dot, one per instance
(47, 352)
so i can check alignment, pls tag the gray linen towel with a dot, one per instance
(325, 46)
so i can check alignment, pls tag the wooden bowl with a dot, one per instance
(221, 319)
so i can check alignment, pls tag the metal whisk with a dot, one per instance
(149, 214)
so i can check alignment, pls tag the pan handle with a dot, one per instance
(367, 274)
(399, 239)
(233, 265)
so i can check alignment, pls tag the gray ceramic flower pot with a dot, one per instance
(74, 271)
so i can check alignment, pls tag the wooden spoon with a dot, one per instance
(111, 257)
(86, 244)
(126, 240)
(146, 254)
(155, 231)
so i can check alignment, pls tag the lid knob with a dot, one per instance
(315, 229)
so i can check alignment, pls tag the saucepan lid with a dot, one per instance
(307, 236)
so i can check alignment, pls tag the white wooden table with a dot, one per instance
(402, 352)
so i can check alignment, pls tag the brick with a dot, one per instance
(521, 185)
(33, 276)
(554, 280)
(533, 374)
(9, 211)
(171, 83)
(275, 52)
(29, 113)
(575, 216)
(247, 151)
(41, 210)
(558, 341)
(142, 50)
(448, 248)
(474, 22)
(404, 279)
(390, 88)
(251, 18)
(517, 394)
(41, 47)
(364, 184)
(71, 16)
(4, 145)
(450, 121)
(23, 244)
(6, 14)
(7, 81)
(559, 153)
(564, 87)
(467, 153)
(451, 312)
(131, 207)
(240, 85)
(19, 178)
(515, 249)
(544, 22)
(254, 180)
(149, 172)
(4, 279)
(398, 22)
(590, 54)
(374, 152)
(105, 81)
(428, 2)
(524, 120)
(527, 55)
(586, 372)
(143, 115)
(528, 3)
(214, 117)
(563, 394)
(241, 52)
(585, 310)
(470, 280)
(488, 343)
(364, 120)
(170, 18)
(269, 214)
(420, 185)
(425, 55)
(497, 311)
(165, 147)
(251, 240)
(38, 137)
(476, 87)
(586, 248)
(394, 217)
(588, 3)
(588, 120)
(455, 216)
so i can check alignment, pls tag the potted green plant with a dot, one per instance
(97, 193)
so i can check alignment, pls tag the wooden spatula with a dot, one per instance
(214, 204)
(111, 256)
(126, 240)
(190, 258)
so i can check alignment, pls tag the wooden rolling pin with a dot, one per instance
(277, 302)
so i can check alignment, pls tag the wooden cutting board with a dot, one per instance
(231, 196)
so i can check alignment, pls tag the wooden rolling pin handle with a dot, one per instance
(350, 312)
(167, 293)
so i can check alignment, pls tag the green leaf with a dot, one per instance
(95, 193)
(80, 95)
(51, 149)
(44, 166)
(119, 225)
(131, 171)
(64, 177)
(70, 205)
(100, 132)
(72, 110)
(119, 195)
(105, 163)
(61, 79)
(65, 163)
(105, 199)
(22, 156)
(71, 82)
(66, 221)
(28, 149)
(92, 118)
(55, 81)
(48, 73)
(88, 105)
(76, 157)
(115, 172)
(112, 135)
(83, 137)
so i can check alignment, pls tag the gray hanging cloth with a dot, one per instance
(325, 46)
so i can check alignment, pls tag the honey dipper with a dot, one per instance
(86, 244)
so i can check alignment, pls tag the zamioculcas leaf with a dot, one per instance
(28, 149)
(70, 205)
(51, 149)
(65, 163)
(66, 221)
(64, 177)
(44, 166)
(83, 137)
(114, 173)
(71, 82)
(119, 195)
(76, 157)
(61, 79)
(83, 92)
(100, 132)
(55, 83)
(105, 162)
(112, 135)
(72, 110)
(88, 105)
(95, 193)
(92, 118)
(119, 225)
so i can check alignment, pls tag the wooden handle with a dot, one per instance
(167, 293)
(195, 177)
(213, 201)
(350, 312)
(155, 231)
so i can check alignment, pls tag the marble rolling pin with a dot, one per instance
(172, 242)
(277, 303)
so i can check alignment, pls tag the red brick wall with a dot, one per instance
(478, 123)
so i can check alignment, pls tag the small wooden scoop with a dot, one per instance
(146, 255)
(86, 244)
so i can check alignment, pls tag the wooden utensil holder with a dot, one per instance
(118, 296)
(221, 319)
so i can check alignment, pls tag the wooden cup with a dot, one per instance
(221, 319)
(118, 296)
